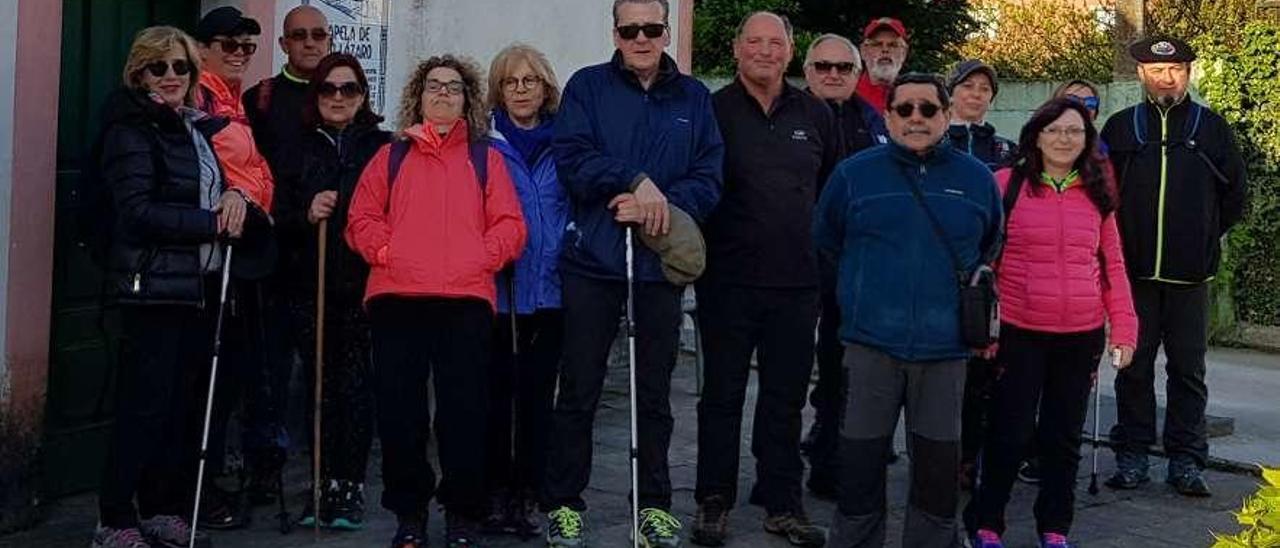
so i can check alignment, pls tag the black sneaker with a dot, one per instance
(411, 532)
(1131, 471)
(1187, 480)
(461, 531)
(521, 517)
(346, 506)
(797, 529)
(711, 523)
(1029, 472)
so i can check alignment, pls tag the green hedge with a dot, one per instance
(1241, 81)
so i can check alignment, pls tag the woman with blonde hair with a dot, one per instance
(524, 96)
(163, 202)
(436, 217)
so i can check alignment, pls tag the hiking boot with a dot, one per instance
(1186, 479)
(986, 538)
(1029, 472)
(659, 529)
(1131, 471)
(711, 523)
(495, 520)
(461, 531)
(565, 528)
(521, 518)
(795, 526)
(346, 506)
(171, 532)
(1054, 540)
(411, 532)
(110, 537)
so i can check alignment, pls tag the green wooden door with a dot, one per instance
(96, 35)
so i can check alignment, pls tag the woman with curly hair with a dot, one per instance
(1061, 279)
(435, 216)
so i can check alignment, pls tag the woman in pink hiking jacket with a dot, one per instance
(1061, 281)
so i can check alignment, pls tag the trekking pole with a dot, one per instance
(208, 405)
(631, 371)
(1097, 421)
(322, 239)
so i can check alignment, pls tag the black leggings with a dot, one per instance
(527, 382)
(1053, 371)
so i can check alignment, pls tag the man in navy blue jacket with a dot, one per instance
(900, 310)
(633, 135)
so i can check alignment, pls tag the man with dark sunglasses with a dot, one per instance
(832, 67)
(634, 139)
(903, 222)
(760, 290)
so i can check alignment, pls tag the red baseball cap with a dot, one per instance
(885, 23)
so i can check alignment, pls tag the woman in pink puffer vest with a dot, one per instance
(1061, 280)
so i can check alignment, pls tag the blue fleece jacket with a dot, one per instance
(610, 133)
(546, 211)
(896, 284)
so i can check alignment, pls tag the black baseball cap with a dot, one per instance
(1161, 50)
(225, 21)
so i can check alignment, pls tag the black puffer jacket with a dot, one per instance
(331, 160)
(150, 164)
(982, 142)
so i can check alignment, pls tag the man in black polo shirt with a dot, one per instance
(274, 106)
(760, 290)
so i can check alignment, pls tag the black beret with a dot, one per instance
(225, 21)
(1161, 50)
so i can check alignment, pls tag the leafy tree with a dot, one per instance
(1187, 19)
(935, 26)
(716, 21)
(1042, 40)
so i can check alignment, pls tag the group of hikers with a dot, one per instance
(482, 246)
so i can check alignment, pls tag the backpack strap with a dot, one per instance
(478, 151)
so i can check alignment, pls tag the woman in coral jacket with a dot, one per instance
(1061, 279)
(435, 228)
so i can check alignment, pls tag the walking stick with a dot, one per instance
(1097, 421)
(322, 238)
(208, 405)
(631, 370)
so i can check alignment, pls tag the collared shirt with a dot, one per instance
(776, 162)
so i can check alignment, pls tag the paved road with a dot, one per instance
(1241, 383)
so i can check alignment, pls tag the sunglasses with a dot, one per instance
(453, 87)
(927, 109)
(1090, 102)
(317, 34)
(231, 45)
(650, 30)
(160, 68)
(348, 90)
(828, 66)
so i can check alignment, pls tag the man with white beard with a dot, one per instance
(884, 50)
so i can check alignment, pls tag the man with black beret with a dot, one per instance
(1181, 182)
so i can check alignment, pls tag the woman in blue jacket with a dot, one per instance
(525, 95)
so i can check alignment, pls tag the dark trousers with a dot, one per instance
(346, 407)
(416, 340)
(592, 308)
(521, 392)
(253, 376)
(160, 395)
(776, 324)
(979, 382)
(1048, 373)
(880, 387)
(828, 394)
(1176, 316)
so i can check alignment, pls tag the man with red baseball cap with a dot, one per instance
(884, 51)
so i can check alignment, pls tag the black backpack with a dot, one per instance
(93, 208)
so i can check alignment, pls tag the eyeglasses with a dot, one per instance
(828, 66)
(348, 90)
(452, 87)
(1073, 133)
(160, 68)
(927, 109)
(1090, 102)
(317, 34)
(650, 30)
(528, 82)
(231, 45)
